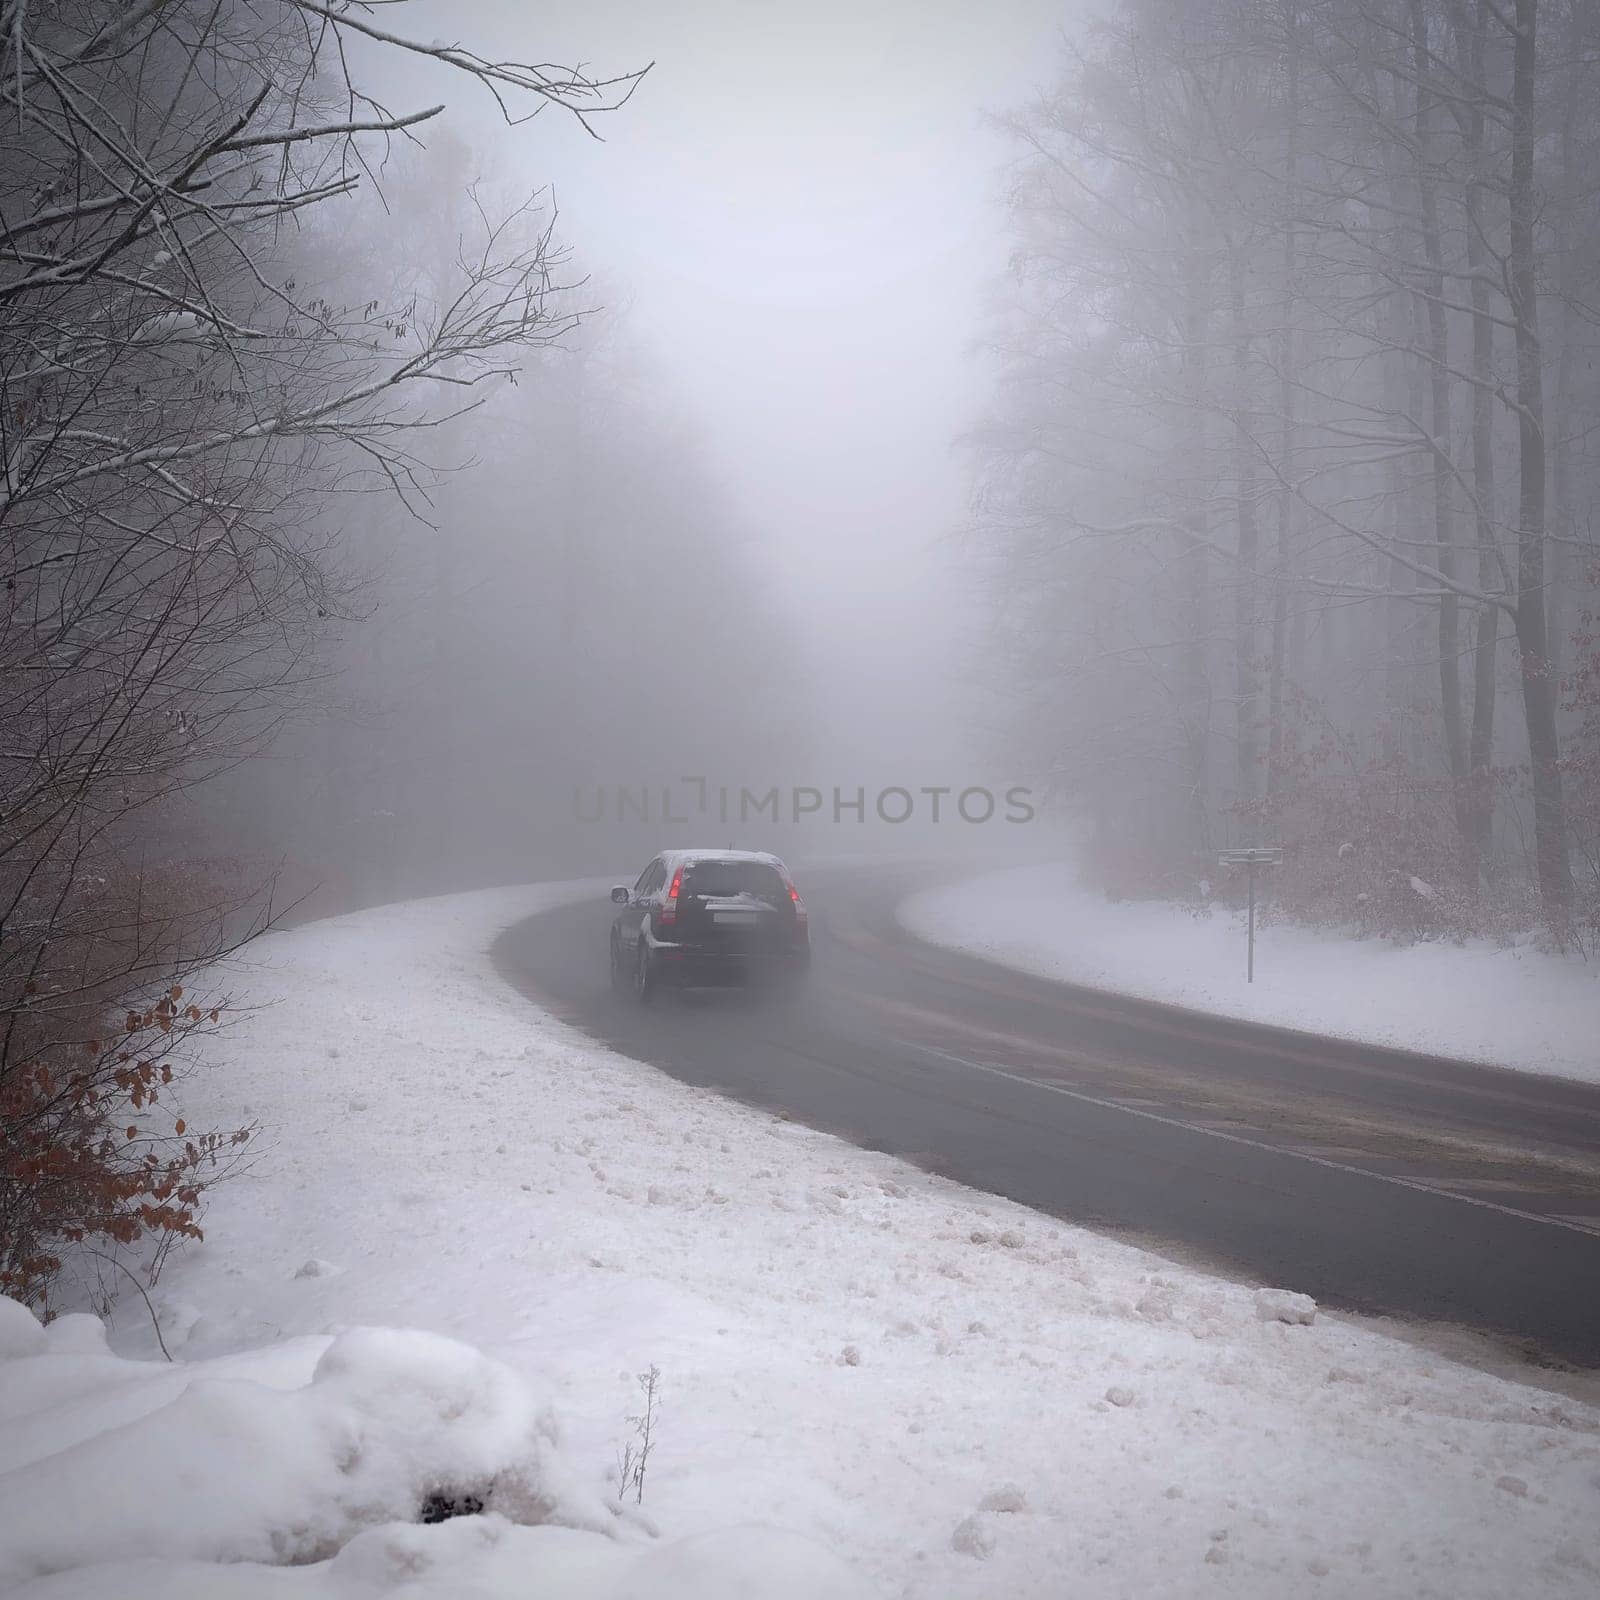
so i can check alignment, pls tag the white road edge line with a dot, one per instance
(1257, 1144)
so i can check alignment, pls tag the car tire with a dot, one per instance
(644, 974)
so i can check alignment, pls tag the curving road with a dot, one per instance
(1375, 1180)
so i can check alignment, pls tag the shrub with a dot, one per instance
(1372, 844)
(94, 1150)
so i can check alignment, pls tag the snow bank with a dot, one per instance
(958, 1398)
(1508, 1007)
(487, 1558)
(208, 1478)
(233, 1460)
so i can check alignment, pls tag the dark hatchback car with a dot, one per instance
(708, 918)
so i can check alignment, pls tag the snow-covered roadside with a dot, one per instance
(1510, 1007)
(955, 1396)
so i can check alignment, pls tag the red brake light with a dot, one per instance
(799, 904)
(669, 909)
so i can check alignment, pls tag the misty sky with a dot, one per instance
(801, 205)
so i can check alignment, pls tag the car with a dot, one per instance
(709, 918)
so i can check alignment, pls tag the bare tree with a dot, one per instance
(1366, 223)
(179, 411)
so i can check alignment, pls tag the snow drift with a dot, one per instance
(304, 1468)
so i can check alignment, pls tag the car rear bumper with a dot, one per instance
(690, 968)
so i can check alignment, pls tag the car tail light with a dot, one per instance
(669, 907)
(799, 904)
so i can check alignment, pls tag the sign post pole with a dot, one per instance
(1250, 958)
(1251, 858)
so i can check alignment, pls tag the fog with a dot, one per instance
(802, 211)
(1182, 413)
(1102, 495)
(783, 244)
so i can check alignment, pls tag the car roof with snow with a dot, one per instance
(680, 856)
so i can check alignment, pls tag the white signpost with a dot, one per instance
(1252, 857)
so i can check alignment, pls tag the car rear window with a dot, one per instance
(717, 878)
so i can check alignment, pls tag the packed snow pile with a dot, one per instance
(280, 1455)
(1509, 1006)
(951, 1396)
(338, 1458)
(1284, 1305)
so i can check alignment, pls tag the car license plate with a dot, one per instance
(735, 918)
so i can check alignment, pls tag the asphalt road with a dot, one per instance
(1377, 1181)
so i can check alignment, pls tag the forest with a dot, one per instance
(1286, 501)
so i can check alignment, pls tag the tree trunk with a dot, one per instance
(1436, 337)
(1564, 520)
(1195, 580)
(1288, 397)
(1247, 684)
(1480, 753)
(1538, 683)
